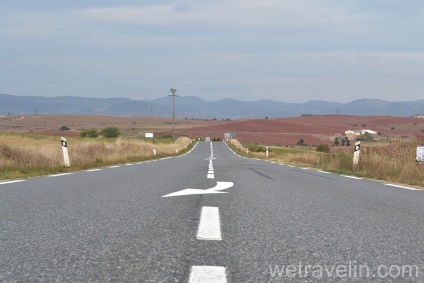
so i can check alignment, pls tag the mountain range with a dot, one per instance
(195, 107)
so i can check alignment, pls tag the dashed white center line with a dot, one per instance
(11, 182)
(211, 174)
(209, 225)
(209, 274)
(403, 187)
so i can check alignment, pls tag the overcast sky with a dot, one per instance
(285, 50)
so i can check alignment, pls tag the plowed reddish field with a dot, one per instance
(313, 130)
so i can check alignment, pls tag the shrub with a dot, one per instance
(256, 148)
(336, 141)
(89, 133)
(301, 142)
(110, 132)
(323, 148)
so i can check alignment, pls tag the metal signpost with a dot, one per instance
(356, 155)
(65, 152)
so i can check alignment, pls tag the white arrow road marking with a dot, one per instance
(209, 225)
(215, 190)
(209, 274)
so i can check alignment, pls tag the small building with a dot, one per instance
(371, 132)
(418, 116)
(350, 132)
(351, 137)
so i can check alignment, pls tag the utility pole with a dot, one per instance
(173, 91)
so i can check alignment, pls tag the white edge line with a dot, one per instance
(352, 177)
(58, 175)
(201, 274)
(403, 187)
(11, 182)
(93, 170)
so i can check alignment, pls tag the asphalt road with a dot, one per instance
(243, 220)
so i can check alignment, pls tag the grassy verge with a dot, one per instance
(27, 156)
(393, 163)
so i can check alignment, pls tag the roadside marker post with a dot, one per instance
(356, 155)
(420, 153)
(154, 150)
(267, 152)
(65, 152)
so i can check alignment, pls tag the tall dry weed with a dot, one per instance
(395, 162)
(24, 153)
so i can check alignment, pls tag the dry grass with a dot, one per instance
(30, 156)
(394, 163)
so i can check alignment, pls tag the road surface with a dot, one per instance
(209, 216)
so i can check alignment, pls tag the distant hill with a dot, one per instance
(195, 107)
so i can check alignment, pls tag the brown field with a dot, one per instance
(314, 130)
(129, 126)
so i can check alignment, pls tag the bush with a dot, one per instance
(301, 142)
(110, 132)
(89, 134)
(166, 137)
(323, 148)
(256, 148)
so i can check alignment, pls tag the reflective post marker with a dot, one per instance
(356, 155)
(267, 152)
(65, 152)
(154, 150)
